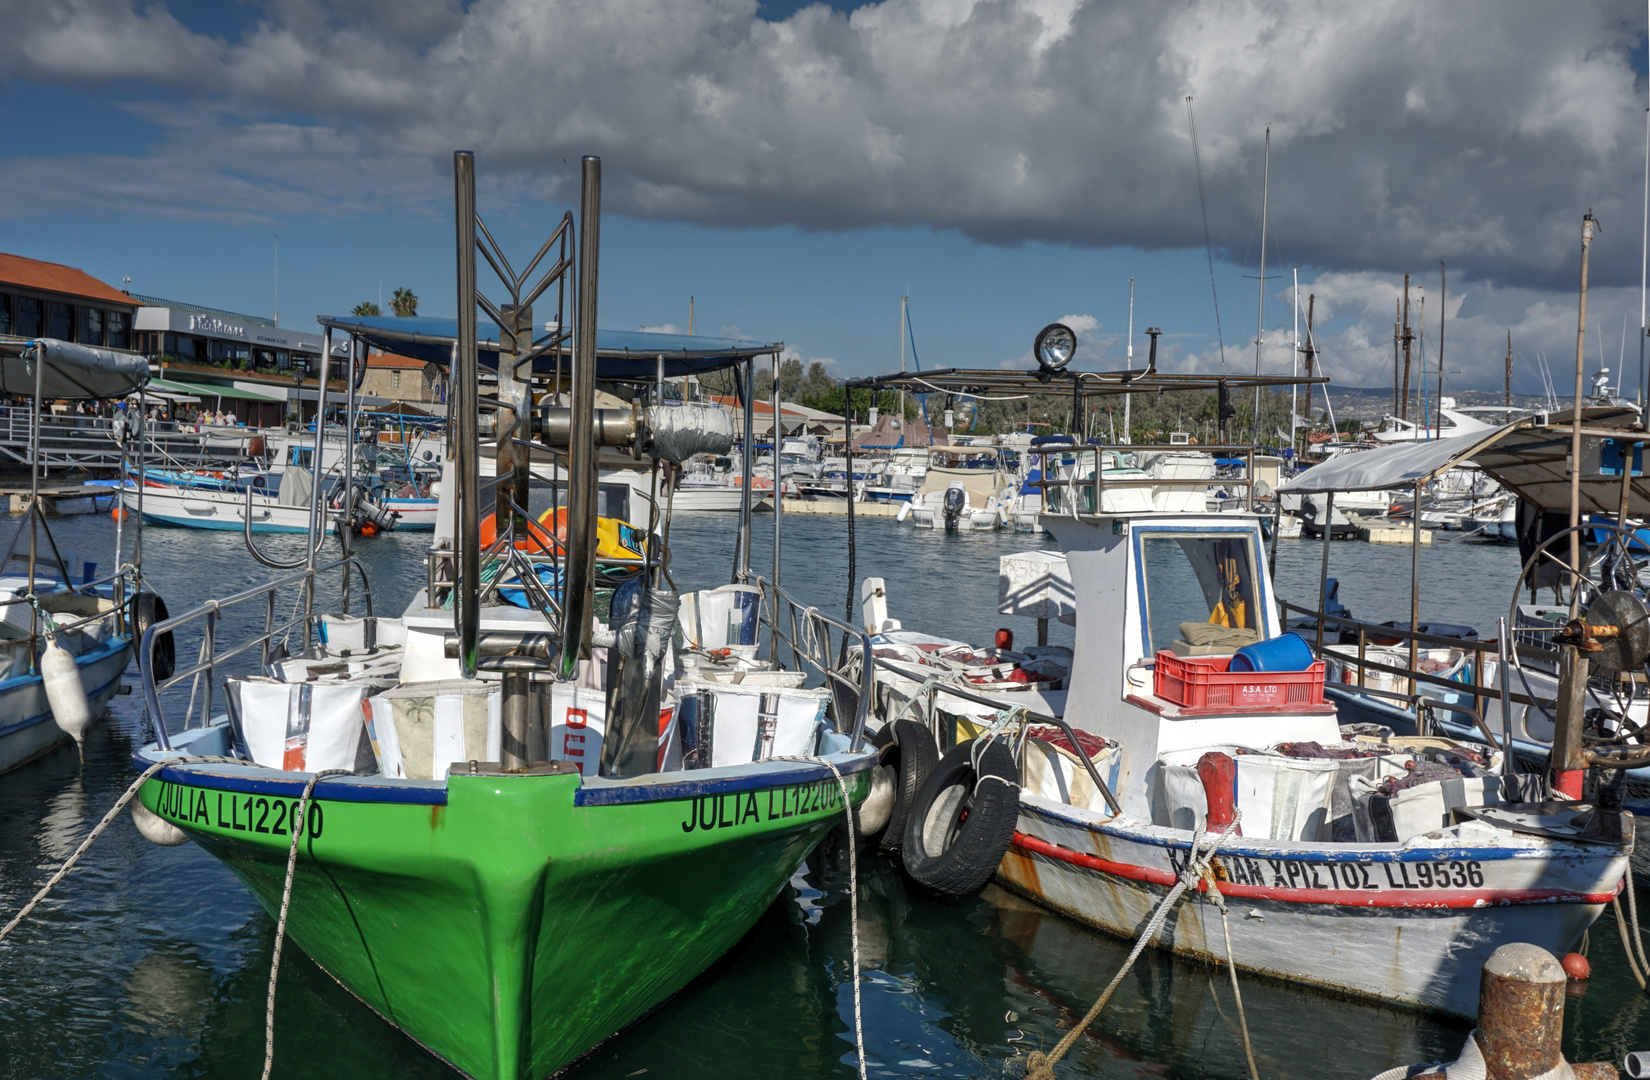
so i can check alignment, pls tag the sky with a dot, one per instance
(797, 168)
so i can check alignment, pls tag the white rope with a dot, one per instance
(286, 901)
(1470, 1065)
(1231, 966)
(1039, 1066)
(853, 907)
(84, 844)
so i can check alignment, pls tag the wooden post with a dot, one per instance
(1567, 764)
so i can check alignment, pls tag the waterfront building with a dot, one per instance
(398, 378)
(45, 299)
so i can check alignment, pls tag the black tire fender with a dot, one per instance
(905, 757)
(146, 610)
(962, 821)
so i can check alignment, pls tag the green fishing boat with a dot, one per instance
(519, 816)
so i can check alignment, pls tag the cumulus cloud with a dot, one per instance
(1478, 131)
(1401, 132)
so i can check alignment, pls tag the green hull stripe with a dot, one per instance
(618, 794)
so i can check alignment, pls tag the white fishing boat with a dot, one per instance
(1194, 730)
(285, 511)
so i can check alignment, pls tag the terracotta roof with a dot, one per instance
(57, 278)
(393, 360)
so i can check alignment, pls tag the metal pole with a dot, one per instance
(1295, 364)
(1644, 280)
(778, 500)
(34, 495)
(581, 457)
(1323, 571)
(513, 390)
(1502, 674)
(1415, 591)
(316, 520)
(1260, 318)
(742, 569)
(1575, 423)
(461, 412)
(1443, 315)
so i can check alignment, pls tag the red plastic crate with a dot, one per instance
(1202, 682)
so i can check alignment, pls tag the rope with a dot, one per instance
(853, 906)
(63, 871)
(1626, 942)
(1040, 1066)
(1231, 967)
(1633, 912)
(286, 903)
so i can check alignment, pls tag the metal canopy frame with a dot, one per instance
(984, 382)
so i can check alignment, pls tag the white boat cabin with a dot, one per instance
(1139, 580)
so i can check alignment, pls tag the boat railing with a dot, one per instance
(202, 675)
(1477, 690)
(1095, 483)
(818, 641)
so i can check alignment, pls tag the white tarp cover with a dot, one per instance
(72, 371)
(1399, 466)
(1531, 462)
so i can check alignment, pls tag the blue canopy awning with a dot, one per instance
(621, 355)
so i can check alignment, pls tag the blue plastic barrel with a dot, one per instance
(1287, 653)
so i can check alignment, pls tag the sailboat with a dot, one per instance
(533, 820)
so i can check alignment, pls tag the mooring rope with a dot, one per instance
(120, 804)
(1219, 901)
(63, 871)
(1040, 1066)
(853, 907)
(1633, 911)
(1626, 941)
(286, 903)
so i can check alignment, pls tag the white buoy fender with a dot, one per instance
(904, 512)
(156, 829)
(64, 691)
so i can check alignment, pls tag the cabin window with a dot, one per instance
(1207, 578)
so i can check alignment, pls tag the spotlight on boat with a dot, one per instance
(1056, 343)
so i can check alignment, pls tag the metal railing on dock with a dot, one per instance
(1096, 484)
(820, 642)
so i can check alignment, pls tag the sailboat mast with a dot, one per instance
(1295, 364)
(1128, 399)
(1260, 318)
(1443, 313)
(1506, 387)
(902, 367)
(1408, 338)
(1644, 268)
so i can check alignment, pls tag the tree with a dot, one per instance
(365, 308)
(404, 303)
(816, 387)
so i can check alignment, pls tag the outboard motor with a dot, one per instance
(955, 499)
(368, 511)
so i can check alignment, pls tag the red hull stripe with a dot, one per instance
(1384, 898)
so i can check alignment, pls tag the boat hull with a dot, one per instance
(1410, 925)
(27, 730)
(509, 924)
(219, 511)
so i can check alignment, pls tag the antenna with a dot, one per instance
(1128, 399)
(690, 316)
(277, 280)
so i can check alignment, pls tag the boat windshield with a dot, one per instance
(1198, 578)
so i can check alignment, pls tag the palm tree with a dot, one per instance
(365, 308)
(404, 303)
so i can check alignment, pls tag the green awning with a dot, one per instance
(210, 390)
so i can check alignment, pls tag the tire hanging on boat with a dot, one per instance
(905, 757)
(963, 819)
(146, 610)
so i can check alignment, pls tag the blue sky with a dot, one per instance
(797, 169)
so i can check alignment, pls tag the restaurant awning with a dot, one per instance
(210, 391)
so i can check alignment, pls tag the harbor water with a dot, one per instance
(153, 962)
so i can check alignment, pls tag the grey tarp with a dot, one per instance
(1530, 461)
(71, 371)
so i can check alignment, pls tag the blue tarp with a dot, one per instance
(620, 354)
